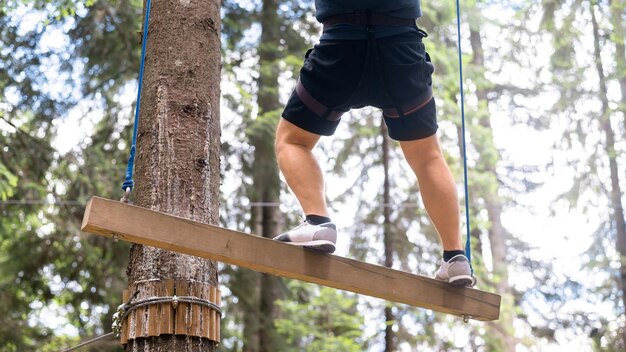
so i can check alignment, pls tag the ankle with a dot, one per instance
(316, 219)
(447, 255)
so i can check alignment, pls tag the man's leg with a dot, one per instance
(298, 164)
(303, 175)
(437, 188)
(441, 201)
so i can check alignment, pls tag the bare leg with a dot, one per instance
(298, 164)
(437, 188)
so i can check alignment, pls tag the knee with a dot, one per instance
(289, 136)
(282, 139)
(279, 144)
(423, 153)
(284, 142)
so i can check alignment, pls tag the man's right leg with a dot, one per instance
(437, 188)
(439, 195)
(294, 153)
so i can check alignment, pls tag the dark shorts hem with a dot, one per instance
(418, 125)
(300, 115)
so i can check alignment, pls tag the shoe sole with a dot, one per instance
(461, 280)
(318, 245)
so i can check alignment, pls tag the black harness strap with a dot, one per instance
(315, 105)
(419, 102)
(370, 19)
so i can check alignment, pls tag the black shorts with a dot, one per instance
(390, 73)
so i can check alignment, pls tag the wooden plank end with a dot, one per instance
(87, 214)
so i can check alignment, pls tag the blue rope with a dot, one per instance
(129, 183)
(468, 249)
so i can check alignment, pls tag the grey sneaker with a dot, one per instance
(456, 271)
(318, 237)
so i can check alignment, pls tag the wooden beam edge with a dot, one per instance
(489, 302)
(87, 214)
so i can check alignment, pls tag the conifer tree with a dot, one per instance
(178, 158)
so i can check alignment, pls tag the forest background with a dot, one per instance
(546, 112)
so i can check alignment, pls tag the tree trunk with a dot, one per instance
(619, 38)
(387, 236)
(245, 285)
(502, 329)
(266, 181)
(617, 216)
(178, 147)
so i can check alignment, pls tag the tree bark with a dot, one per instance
(619, 38)
(390, 338)
(617, 216)
(178, 146)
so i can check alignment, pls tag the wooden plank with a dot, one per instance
(196, 291)
(218, 319)
(124, 333)
(206, 312)
(213, 318)
(135, 224)
(153, 310)
(183, 313)
(166, 320)
(138, 322)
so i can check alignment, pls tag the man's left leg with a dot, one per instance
(438, 191)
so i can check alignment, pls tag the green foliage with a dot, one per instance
(47, 266)
(8, 181)
(321, 321)
(58, 9)
(262, 128)
(22, 278)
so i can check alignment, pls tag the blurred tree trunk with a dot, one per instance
(619, 38)
(609, 135)
(245, 285)
(266, 182)
(486, 165)
(387, 235)
(178, 146)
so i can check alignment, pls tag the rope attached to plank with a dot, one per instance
(468, 248)
(128, 184)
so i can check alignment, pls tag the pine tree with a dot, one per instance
(278, 40)
(615, 193)
(178, 147)
(591, 129)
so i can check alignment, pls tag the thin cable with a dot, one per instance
(468, 247)
(89, 342)
(171, 299)
(129, 183)
(238, 205)
(40, 202)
